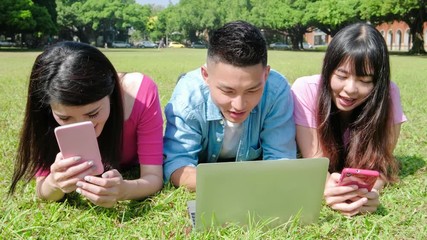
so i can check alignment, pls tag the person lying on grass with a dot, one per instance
(233, 108)
(74, 82)
(351, 113)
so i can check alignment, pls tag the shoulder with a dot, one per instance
(276, 84)
(190, 93)
(306, 86)
(394, 92)
(190, 88)
(131, 82)
(396, 105)
(311, 82)
(276, 79)
(394, 87)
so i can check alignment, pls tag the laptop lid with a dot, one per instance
(273, 191)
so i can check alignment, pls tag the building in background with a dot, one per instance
(397, 36)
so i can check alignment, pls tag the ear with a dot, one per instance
(266, 72)
(205, 73)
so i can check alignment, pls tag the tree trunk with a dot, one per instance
(416, 25)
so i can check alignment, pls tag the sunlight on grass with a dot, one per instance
(402, 214)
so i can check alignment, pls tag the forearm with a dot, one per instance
(47, 190)
(142, 187)
(185, 176)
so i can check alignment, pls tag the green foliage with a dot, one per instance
(402, 214)
(332, 15)
(24, 16)
(195, 19)
(90, 18)
(412, 12)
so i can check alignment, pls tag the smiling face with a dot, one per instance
(235, 90)
(348, 90)
(96, 112)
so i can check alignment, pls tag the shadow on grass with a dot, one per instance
(125, 210)
(409, 165)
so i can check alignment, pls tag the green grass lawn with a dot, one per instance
(402, 215)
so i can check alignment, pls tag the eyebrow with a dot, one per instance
(229, 88)
(346, 72)
(88, 113)
(93, 111)
(342, 70)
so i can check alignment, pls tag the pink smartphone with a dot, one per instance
(360, 177)
(79, 139)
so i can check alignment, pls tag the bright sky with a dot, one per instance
(164, 3)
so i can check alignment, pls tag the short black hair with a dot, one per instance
(238, 43)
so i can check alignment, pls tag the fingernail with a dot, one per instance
(78, 191)
(90, 163)
(104, 175)
(79, 184)
(87, 178)
(77, 158)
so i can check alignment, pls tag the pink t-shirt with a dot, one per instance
(142, 131)
(304, 92)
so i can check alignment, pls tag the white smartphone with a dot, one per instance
(79, 139)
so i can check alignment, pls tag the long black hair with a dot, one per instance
(71, 74)
(370, 126)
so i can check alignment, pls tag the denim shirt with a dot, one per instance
(195, 125)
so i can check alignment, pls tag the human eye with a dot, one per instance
(366, 80)
(94, 115)
(341, 76)
(62, 118)
(253, 90)
(226, 91)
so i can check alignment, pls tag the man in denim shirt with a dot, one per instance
(231, 109)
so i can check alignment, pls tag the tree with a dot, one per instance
(16, 16)
(412, 12)
(26, 18)
(330, 16)
(70, 22)
(111, 19)
(289, 17)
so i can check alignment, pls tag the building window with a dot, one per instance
(390, 40)
(407, 39)
(399, 39)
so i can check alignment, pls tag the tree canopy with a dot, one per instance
(108, 20)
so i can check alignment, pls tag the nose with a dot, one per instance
(350, 86)
(238, 103)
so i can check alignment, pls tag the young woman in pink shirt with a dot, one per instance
(74, 82)
(351, 113)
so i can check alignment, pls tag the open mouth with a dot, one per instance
(236, 114)
(346, 102)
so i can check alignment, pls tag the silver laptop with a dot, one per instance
(272, 192)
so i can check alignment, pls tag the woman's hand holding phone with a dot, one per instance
(349, 200)
(351, 197)
(103, 191)
(65, 173)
